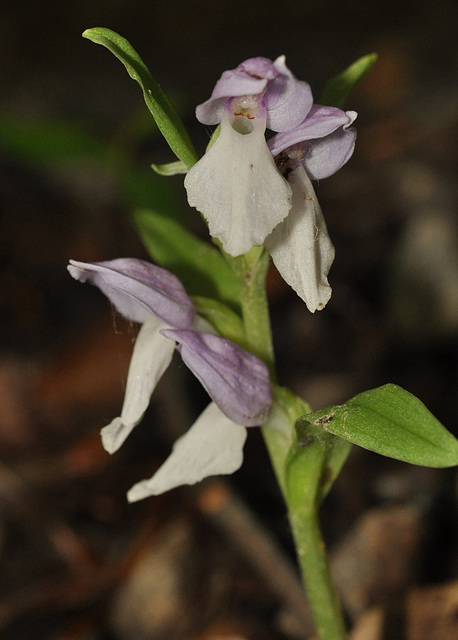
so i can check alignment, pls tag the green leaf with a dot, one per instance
(157, 102)
(199, 265)
(50, 143)
(338, 88)
(142, 189)
(58, 144)
(392, 422)
(228, 323)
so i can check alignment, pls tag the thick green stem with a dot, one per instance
(301, 500)
(313, 559)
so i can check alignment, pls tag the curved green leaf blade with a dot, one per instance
(338, 88)
(200, 266)
(392, 422)
(157, 102)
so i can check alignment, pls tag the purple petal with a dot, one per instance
(212, 446)
(139, 289)
(325, 156)
(151, 357)
(287, 99)
(234, 378)
(320, 122)
(326, 138)
(259, 68)
(250, 78)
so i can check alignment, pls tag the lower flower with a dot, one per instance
(235, 379)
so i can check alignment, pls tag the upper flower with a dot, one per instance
(236, 184)
(242, 192)
(236, 380)
(259, 86)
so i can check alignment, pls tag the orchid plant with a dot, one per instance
(257, 198)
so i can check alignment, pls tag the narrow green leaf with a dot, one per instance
(40, 142)
(50, 144)
(338, 88)
(393, 423)
(157, 102)
(142, 189)
(199, 265)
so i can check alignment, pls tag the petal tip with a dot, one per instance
(138, 492)
(114, 434)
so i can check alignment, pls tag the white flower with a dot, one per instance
(236, 380)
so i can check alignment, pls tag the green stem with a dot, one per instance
(313, 559)
(301, 501)
(252, 271)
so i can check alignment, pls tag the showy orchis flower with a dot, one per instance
(246, 200)
(236, 184)
(300, 245)
(236, 380)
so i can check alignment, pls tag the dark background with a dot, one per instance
(72, 551)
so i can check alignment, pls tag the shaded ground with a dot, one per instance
(77, 561)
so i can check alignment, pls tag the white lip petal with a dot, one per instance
(212, 446)
(237, 186)
(300, 246)
(151, 357)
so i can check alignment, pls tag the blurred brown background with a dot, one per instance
(76, 560)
